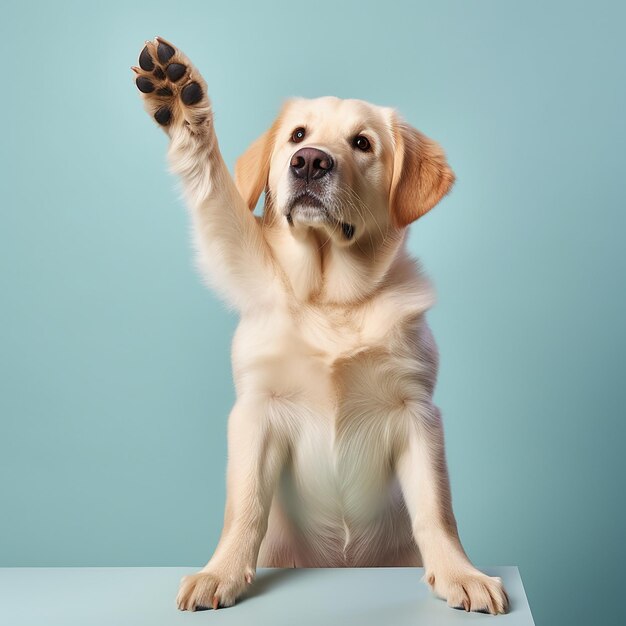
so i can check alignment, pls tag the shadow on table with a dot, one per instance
(268, 579)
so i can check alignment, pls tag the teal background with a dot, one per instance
(115, 373)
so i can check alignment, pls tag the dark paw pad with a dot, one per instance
(165, 52)
(144, 85)
(159, 73)
(145, 60)
(175, 71)
(163, 116)
(191, 94)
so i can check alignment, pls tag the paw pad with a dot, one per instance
(175, 71)
(161, 68)
(145, 60)
(144, 85)
(191, 93)
(163, 116)
(165, 52)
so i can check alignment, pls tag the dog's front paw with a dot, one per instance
(469, 589)
(174, 92)
(213, 587)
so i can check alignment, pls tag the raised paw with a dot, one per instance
(174, 92)
(212, 588)
(470, 590)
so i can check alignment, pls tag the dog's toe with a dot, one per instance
(164, 51)
(145, 60)
(175, 71)
(144, 84)
(191, 94)
(163, 116)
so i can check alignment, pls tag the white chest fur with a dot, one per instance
(338, 383)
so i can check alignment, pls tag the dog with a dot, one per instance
(335, 448)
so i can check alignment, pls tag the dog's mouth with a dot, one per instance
(307, 202)
(311, 208)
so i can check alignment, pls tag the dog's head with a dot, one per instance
(345, 166)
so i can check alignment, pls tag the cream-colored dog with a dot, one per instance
(335, 448)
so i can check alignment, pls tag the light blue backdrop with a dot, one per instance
(115, 380)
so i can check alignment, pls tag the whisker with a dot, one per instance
(354, 201)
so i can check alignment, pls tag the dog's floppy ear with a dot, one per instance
(252, 168)
(421, 174)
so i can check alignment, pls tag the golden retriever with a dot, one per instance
(335, 448)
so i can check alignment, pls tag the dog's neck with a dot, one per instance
(320, 270)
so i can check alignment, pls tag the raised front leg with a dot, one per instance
(256, 455)
(423, 476)
(232, 251)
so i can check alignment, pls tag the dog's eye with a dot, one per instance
(362, 143)
(298, 135)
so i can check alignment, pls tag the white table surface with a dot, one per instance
(137, 596)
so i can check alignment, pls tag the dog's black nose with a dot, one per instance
(311, 163)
